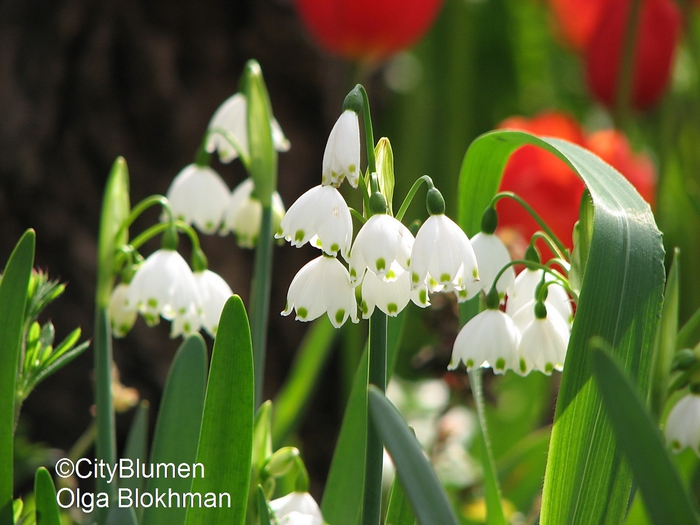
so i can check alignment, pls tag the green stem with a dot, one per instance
(412, 193)
(105, 445)
(625, 74)
(260, 300)
(142, 206)
(231, 139)
(549, 242)
(374, 458)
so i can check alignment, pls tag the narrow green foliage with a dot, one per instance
(226, 440)
(122, 516)
(638, 435)
(263, 508)
(137, 444)
(13, 298)
(399, 510)
(428, 499)
(45, 493)
(385, 170)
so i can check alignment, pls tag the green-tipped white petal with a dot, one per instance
(199, 196)
(523, 291)
(121, 316)
(322, 286)
(541, 347)
(341, 158)
(321, 217)
(381, 242)
(243, 214)
(214, 292)
(683, 424)
(391, 297)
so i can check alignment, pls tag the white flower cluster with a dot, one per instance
(165, 286)
(199, 196)
(296, 508)
(529, 335)
(387, 264)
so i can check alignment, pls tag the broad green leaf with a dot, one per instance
(620, 300)
(177, 430)
(226, 441)
(665, 497)
(306, 369)
(136, 447)
(423, 489)
(399, 510)
(13, 299)
(47, 512)
(342, 497)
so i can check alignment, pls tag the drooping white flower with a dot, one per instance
(683, 424)
(489, 339)
(526, 314)
(442, 257)
(492, 255)
(381, 242)
(523, 291)
(322, 286)
(297, 508)
(198, 196)
(243, 214)
(164, 286)
(341, 158)
(391, 297)
(214, 292)
(322, 217)
(231, 117)
(121, 316)
(541, 347)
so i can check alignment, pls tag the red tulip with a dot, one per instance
(577, 19)
(550, 186)
(367, 29)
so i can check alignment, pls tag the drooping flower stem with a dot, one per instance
(372, 502)
(425, 179)
(260, 299)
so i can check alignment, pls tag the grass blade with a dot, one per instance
(47, 512)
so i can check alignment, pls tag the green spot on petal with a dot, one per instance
(339, 316)
(500, 364)
(548, 368)
(335, 247)
(475, 273)
(392, 308)
(423, 296)
(319, 244)
(364, 307)
(352, 168)
(390, 274)
(380, 264)
(523, 366)
(187, 328)
(676, 445)
(299, 235)
(353, 273)
(302, 313)
(445, 278)
(470, 363)
(152, 303)
(415, 278)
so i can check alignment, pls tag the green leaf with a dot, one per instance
(177, 429)
(13, 298)
(399, 510)
(310, 361)
(47, 512)
(122, 516)
(620, 300)
(428, 499)
(136, 447)
(384, 158)
(226, 441)
(665, 497)
(263, 508)
(342, 497)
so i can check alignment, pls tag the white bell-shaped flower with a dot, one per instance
(682, 427)
(321, 217)
(526, 314)
(492, 255)
(322, 286)
(341, 158)
(489, 339)
(391, 297)
(121, 316)
(381, 242)
(297, 508)
(523, 291)
(542, 346)
(442, 257)
(243, 214)
(164, 286)
(231, 117)
(198, 196)
(214, 292)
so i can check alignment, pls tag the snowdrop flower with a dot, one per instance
(523, 291)
(243, 214)
(542, 345)
(391, 297)
(322, 217)
(683, 424)
(214, 292)
(341, 158)
(297, 508)
(198, 195)
(164, 286)
(489, 339)
(492, 255)
(121, 316)
(231, 117)
(322, 286)
(381, 242)
(443, 255)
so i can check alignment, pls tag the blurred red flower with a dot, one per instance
(367, 29)
(550, 186)
(596, 28)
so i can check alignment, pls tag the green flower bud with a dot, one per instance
(354, 101)
(282, 461)
(435, 202)
(489, 220)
